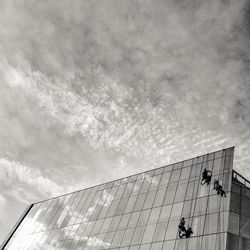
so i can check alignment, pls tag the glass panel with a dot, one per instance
(187, 163)
(159, 197)
(165, 179)
(143, 218)
(160, 231)
(124, 221)
(97, 226)
(139, 202)
(134, 219)
(108, 239)
(178, 165)
(117, 238)
(234, 223)
(232, 242)
(145, 247)
(169, 245)
(192, 190)
(113, 207)
(114, 224)
(121, 207)
(175, 176)
(138, 234)
(105, 225)
(245, 227)
(185, 174)
(212, 222)
(188, 208)
(120, 191)
(127, 237)
(244, 243)
(176, 211)
(156, 246)
(168, 168)
(158, 171)
(149, 233)
(181, 192)
(128, 189)
(130, 204)
(172, 230)
(154, 215)
(146, 185)
(137, 187)
(165, 213)
(245, 206)
(169, 198)
(149, 200)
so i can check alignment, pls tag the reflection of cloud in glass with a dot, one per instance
(24, 236)
(104, 201)
(98, 242)
(152, 180)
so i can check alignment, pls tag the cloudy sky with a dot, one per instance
(96, 90)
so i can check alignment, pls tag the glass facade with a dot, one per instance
(143, 211)
(239, 215)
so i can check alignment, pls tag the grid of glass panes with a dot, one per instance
(239, 218)
(136, 212)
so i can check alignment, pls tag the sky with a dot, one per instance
(95, 90)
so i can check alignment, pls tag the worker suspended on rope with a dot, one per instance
(218, 188)
(188, 233)
(182, 228)
(206, 177)
(183, 231)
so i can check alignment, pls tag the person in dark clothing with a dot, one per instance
(182, 229)
(181, 225)
(206, 177)
(218, 188)
(216, 185)
(188, 233)
(221, 191)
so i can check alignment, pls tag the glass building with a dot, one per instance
(142, 212)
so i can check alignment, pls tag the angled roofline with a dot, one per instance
(132, 175)
(238, 178)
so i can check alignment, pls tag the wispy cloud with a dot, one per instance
(90, 87)
(14, 172)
